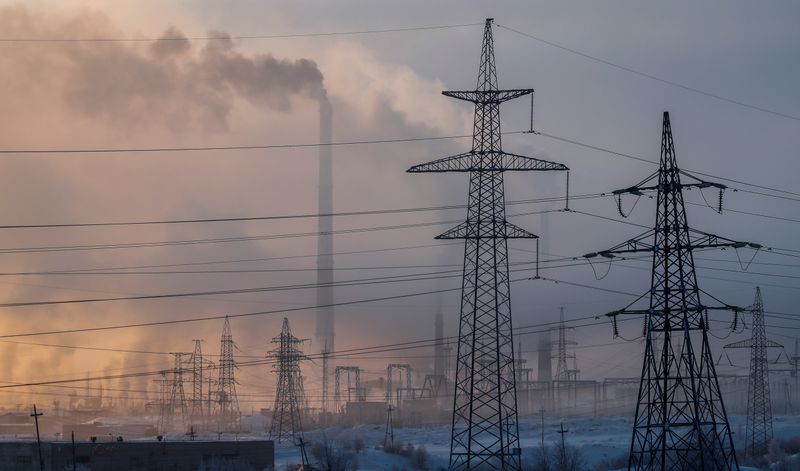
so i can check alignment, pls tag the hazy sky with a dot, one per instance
(264, 91)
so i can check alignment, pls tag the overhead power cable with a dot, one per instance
(368, 212)
(651, 76)
(218, 240)
(225, 37)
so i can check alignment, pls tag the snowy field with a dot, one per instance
(597, 439)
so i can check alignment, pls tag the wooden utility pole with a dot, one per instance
(35, 416)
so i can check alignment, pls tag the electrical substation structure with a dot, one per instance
(680, 421)
(759, 408)
(286, 421)
(485, 432)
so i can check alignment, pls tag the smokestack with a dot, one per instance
(438, 347)
(325, 315)
(545, 364)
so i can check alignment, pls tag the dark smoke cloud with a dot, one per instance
(175, 83)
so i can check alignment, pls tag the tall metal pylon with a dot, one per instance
(563, 370)
(680, 421)
(289, 394)
(759, 407)
(227, 402)
(196, 405)
(485, 432)
(177, 395)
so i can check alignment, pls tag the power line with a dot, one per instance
(285, 216)
(138, 150)
(652, 77)
(653, 162)
(225, 37)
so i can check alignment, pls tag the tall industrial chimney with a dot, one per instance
(438, 347)
(325, 313)
(545, 360)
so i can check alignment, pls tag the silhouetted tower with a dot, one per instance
(165, 419)
(485, 432)
(563, 370)
(759, 406)
(196, 405)
(680, 422)
(227, 402)
(325, 313)
(289, 390)
(177, 396)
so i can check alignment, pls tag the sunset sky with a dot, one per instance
(57, 93)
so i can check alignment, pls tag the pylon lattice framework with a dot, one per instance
(227, 402)
(680, 421)
(759, 408)
(289, 390)
(485, 432)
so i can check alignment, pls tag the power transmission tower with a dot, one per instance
(680, 421)
(227, 402)
(177, 395)
(485, 432)
(759, 406)
(566, 375)
(289, 390)
(196, 409)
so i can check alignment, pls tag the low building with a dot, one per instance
(258, 455)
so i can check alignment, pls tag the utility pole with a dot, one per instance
(485, 430)
(388, 436)
(541, 415)
(759, 407)
(563, 449)
(36, 416)
(680, 421)
(289, 392)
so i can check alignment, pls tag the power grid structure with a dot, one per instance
(404, 381)
(759, 406)
(173, 397)
(289, 395)
(680, 421)
(353, 385)
(485, 431)
(198, 407)
(566, 374)
(227, 401)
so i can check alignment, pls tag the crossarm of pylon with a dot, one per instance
(486, 230)
(740, 344)
(704, 240)
(477, 161)
(637, 244)
(488, 96)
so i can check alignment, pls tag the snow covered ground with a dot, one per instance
(598, 440)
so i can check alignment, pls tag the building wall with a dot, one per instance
(139, 456)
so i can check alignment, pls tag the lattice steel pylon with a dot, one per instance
(680, 421)
(196, 405)
(289, 394)
(485, 432)
(227, 402)
(759, 408)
